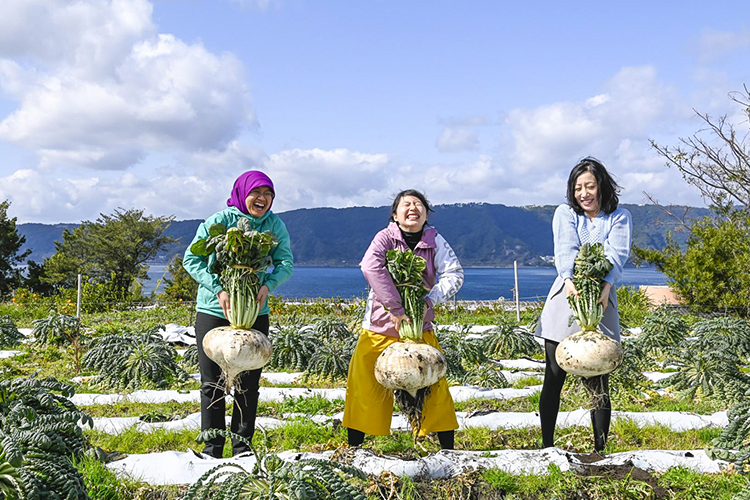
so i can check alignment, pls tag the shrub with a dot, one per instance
(633, 305)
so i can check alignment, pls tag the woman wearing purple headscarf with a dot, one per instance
(251, 198)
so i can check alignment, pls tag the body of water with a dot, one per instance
(479, 283)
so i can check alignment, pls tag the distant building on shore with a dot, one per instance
(660, 294)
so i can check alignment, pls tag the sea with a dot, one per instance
(479, 283)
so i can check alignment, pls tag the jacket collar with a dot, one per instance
(428, 235)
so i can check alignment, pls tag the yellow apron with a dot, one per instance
(369, 405)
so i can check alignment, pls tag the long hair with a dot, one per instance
(608, 188)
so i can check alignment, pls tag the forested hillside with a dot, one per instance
(482, 234)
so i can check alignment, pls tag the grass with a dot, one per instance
(676, 483)
(303, 434)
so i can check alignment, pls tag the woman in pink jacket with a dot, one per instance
(369, 406)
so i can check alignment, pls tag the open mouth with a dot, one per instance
(259, 206)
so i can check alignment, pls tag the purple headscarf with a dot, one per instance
(246, 183)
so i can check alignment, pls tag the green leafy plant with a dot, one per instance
(591, 266)
(11, 483)
(663, 329)
(39, 435)
(241, 259)
(190, 357)
(461, 352)
(293, 345)
(56, 329)
(508, 342)
(334, 348)
(628, 380)
(711, 372)
(273, 478)
(734, 442)
(486, 375)
(724, 332)
(9, 334)
(134, 360)
(406, 270)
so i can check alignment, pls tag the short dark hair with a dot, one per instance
(409, 192)
(608, 188)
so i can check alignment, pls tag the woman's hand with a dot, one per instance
(398, 319)
(262, 294)
(223, 297)
(570, 288)
(604, 297)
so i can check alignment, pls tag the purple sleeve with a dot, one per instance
(377, 276)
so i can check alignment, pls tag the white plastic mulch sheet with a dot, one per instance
(675, 421)
(459, 393)
(174, 467)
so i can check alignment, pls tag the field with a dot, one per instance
(132, 432)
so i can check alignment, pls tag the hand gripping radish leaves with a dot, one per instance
(589, 353)
(241, 258)
(412, 366)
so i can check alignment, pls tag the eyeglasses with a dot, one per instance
(258, 194)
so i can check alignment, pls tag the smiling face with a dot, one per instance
(410, 214)
(259, 200)
(587, 194)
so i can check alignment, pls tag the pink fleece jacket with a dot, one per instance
(384, 299)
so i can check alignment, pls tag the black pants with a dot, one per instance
(212, 391)
(549, 402)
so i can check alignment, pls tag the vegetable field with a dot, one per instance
(120, 418)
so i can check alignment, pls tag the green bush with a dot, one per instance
(633, 305)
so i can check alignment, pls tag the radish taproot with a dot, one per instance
(241, 257)
(236, 350)
(411, 366)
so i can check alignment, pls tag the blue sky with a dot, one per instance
(161, 104)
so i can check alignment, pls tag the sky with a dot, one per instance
(159, 105)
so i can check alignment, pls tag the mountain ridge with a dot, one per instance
(482, 234)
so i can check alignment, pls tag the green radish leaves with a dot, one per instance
(591, 266)
(406, 270)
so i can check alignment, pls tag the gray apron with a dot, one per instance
(553, 324)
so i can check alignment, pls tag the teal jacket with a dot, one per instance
(209, 283)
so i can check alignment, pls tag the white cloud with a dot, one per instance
(454, 139)
(714, 44)
(614, 126)
(87, 36)
(102, 90)
(329, 178)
